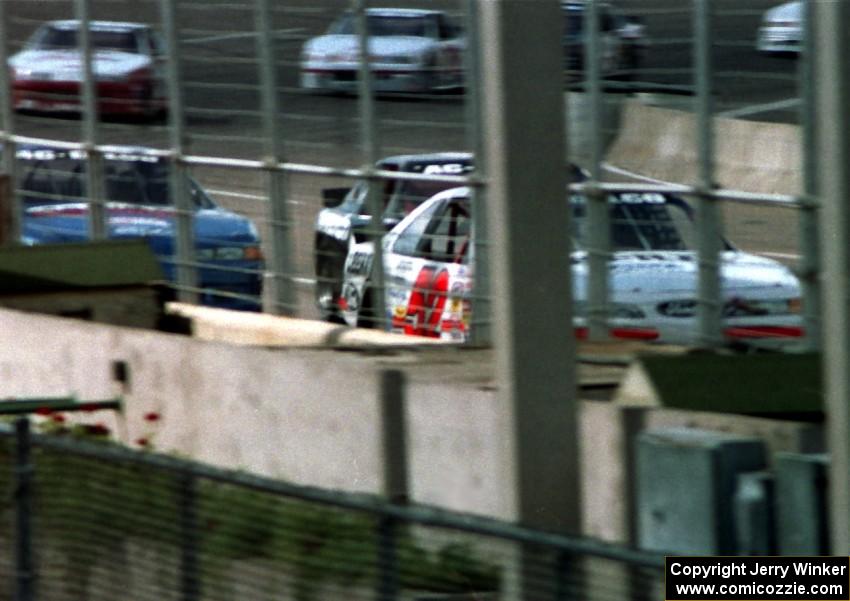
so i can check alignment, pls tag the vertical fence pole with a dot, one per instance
(529, 221)
(708, 217)
(94, 159)
(563, 570)
(599, 223)
(282, 298)
(190, 583)
(394, 435)
(481, 332)
(184, 253)
(23, 512)
(14, 211)
(809, 266)
(833, 186)
(387, 559)
(369, 137)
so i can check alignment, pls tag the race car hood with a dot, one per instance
(346, 47)
(69, 223)
(67, 65)
(663, 274)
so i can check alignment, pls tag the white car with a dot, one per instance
(429, 264)
(781, 31)
(410, 50)
(127, 66)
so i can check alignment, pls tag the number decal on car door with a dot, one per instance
(427, 302)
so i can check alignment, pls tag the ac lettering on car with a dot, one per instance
(445, 169)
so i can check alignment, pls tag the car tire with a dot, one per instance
(366, 317)
(330, 262)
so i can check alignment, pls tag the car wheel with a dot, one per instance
(330, 261)
(367, 317)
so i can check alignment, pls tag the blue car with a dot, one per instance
(52, 183)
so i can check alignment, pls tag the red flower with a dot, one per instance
(143, 442)
(43, 411)
(97, 429)
(152, 416)
(58, 418)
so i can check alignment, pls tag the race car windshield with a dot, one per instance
(411, 194)
(55, 38)
(639, 222)
(49, 177)
(384, 25)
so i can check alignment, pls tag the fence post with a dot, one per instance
(185, 264)
(13, 211)
(282, 299)
(481, 329)
(369, 138)
(190, 585)
(833, 186)
(708, 217)
(7, 211)
(98, 228)
(394, 436)
(23, 512)
(387, 559)
(809, 267)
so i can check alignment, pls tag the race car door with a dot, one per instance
(428, 276)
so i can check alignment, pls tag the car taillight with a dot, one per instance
(141, 74)
(764, 332)
(622, 333)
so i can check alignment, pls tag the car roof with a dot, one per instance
(434, 157)
(99, 25)
(127, 153)
(402, 12)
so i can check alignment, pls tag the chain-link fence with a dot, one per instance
(92, 520)
(249, 141)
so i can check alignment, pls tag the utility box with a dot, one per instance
(686, 480)
(801, 503)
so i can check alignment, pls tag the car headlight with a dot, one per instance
(21, 73)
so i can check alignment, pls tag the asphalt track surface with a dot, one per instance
(220, 78)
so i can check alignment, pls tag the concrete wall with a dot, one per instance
(308, 416)
(311, 416)
(750, 155)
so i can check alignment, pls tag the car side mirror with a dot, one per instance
(333, 197)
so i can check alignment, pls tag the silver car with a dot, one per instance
(781, 30)
(410, 50)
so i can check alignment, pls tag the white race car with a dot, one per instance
(127, 66)
(428, 274)
(410, 50)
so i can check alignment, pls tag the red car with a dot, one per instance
(126, 65)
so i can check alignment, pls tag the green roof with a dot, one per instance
(77, 266)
